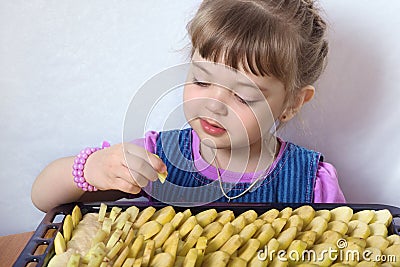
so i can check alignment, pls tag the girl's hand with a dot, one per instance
(125, 167)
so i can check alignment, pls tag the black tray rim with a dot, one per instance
(26, 256)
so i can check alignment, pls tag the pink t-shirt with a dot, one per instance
(326, 188)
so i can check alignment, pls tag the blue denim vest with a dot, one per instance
(291, 181)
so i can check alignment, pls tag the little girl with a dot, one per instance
(279, 47)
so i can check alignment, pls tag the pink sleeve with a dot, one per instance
(148, 142)
(327, 188)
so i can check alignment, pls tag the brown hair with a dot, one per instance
(282, 38)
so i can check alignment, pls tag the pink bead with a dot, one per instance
(79, 164)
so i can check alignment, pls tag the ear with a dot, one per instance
(303, 96)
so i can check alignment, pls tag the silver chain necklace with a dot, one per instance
(245, 191)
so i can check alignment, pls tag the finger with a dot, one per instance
(139, 179)
(140, 166)
(151, 158)
(131, 176)
(122, 185)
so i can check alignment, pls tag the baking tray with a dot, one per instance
(40, 247)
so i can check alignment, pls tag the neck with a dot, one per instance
(245, 159)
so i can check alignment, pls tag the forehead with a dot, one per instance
(222, 74)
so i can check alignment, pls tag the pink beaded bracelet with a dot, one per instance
(79, 165)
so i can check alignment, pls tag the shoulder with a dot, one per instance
(327, 188)
(300, 149)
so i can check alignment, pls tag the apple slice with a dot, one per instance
(74, 260)
(309, 237)
(306, 212)
(136, 246)
(148, 253)
(364, 216)
(191, 240)
(296, 221)
(68, 227)
(356, 240)
(286, 213)
(326, 214)
(359, 229)
(352, 254)
(238, 223)
(295, 251)
(367, 264)
(133, 212)
(270, 215)
(232, 245)
(377, 241)
(393, 239)
(342, 213)
(59, 244)
(286, 237)
(149, 229)
(225, 216)
(318, 225)
(250, 216)
(206, 217)
(378, 228)
(278, 225)
(247, 232)
(164, 215)
(213, 229)
(249, 249)
(121, 257)
(177, 220)
(330, 236)
(143, 216)
(338, 226)
(266, 232)
(383, 216)
(324, 253)
(393, 252)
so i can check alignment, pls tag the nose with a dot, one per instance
(217, 101)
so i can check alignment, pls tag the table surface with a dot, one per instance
(11, 246)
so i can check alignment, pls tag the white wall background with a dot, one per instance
(68, 70)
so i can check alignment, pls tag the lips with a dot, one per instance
(211, 127)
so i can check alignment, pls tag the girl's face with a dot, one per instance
(228, 108)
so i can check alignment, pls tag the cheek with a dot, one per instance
(189, 102)
(244, 117)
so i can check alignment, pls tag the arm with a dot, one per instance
(55, 185)
(327, 189)
(121, 167)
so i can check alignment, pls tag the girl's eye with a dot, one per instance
(241, 100)
(201, 84)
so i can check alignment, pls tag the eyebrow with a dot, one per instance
(251, 85)
(201, 67)
(196, 63)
